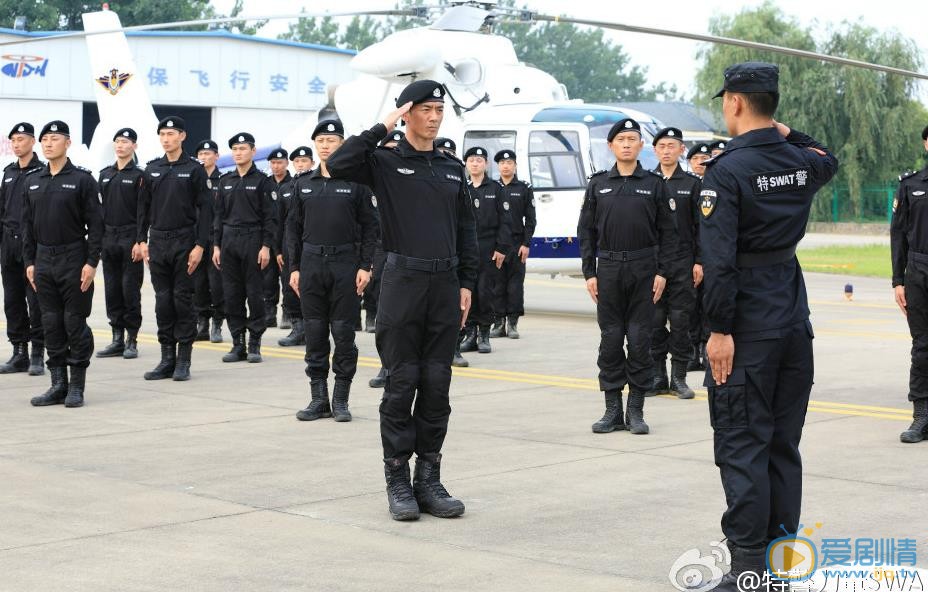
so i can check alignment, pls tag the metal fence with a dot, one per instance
(835, 203)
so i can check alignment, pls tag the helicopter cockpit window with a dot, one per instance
(493, 141)
(554, 160)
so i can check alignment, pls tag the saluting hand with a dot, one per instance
(30, 275)
(659, 284)
(264, 257)
(900, 299)
(393, 117)
(465, 305)
(295, 282)
(196, 255)
(87, 273)
(720, 349)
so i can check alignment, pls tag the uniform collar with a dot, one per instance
(316, 173)
(251, 171)
(33, 162)
(68, 166)
(638, 173)
(286, 178)
(515, 181)
(183, 156)
(406, 150)
(486, 181)
(677, 172)
(115, 166)
(758, 137)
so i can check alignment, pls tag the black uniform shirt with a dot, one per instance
(756, 198)
(494, 224)
(683, 198)
(284, 192)
(246, 201)
(625, 214)
(909, 228)
(175, 195)
(11, 192)
(120, 189)
(425, 209)
(521, 198)
(61, 209)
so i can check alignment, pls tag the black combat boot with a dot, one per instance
(612, 419)
(469, 342)
(116, 347)
(285, 321)
(19, 361)
(678, 384)
(165, 368)
(512, 330)
(380, 380)
(297, 335)
(400, 496)
(634, 414)
(693, 365)
(237, 353)
(744, 559)
(659, 384)
(215, 332)
(254, 349)
(318, 403)
(918, 431)
(370, 322)
(202, 329)
(37, 360)
(340, 411)
(132, 345)
(75, 396)
(483, 340)
(431, 495)
(458, 360)
(499, 327)
(58, 391)
(182, 369)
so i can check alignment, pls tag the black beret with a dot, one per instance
(126, 132)
(505, 155)
(668, 132)
(301, 151)
(717, 145)
(208, 145)
(56, 127)
(751, 77)
(242, 138)
(924, 133)
(331, 127)
(475, 151)
(22, 128)
(700, 148)
(446, 144)
(421, 91)
(623, 125)
(172, 122)
(278, 154)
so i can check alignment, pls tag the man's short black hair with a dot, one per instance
(763, 104)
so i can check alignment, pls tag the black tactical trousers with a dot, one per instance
(510, 286)
(625, 313)
(372, 291)
(329, 301)
(483, 310)
(757, 418)
(270, 284)
(677, 305)
(20, 303)
(242, 279)
(290, 301)
(122, 278)
(418, 319)
(168, 251)
(916, 296)
(207, 288)
(68, 339)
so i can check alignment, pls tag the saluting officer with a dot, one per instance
(626, 230)
(909, 239)
(123, 269)
(302, 159)
(494, 237)
(510, 289)
(329, 217)
(207, 279)
(175, 209)
(20, 304)
(273, 284)
(244, 229)
(429, 235)
(755, 203)
(62, 236)
(682, 268)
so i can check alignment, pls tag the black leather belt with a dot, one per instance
(416, 264)
(120, 229)
(169, 234)
(249, 229)
(920, 257)
(328, 249)
(626, 255)
(765, 258)
(59, 249)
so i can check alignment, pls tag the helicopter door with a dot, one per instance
(557, 175)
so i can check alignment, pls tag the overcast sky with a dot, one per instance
(666, 59)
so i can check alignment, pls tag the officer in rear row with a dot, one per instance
(909, 238)
(278, 161)
(207, 279)
(626, 230)
(302, 159)
(62, 237)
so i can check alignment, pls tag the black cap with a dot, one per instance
(717, 145)
(700, 148)
(56, 127)
(505, 155)
(446, 144)
(331, 127)
(208, 145)
(22, 128)
(243, 138)
(668, 132)
(924, 133)
(421, 91)
(751, 77)
(476, 151)
(624, 125)
(172, 122)
(126, 132)
(301, 151)
(278, 154)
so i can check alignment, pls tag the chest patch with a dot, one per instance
(673, 204)
(405, 171)
(605, 190)
(477, 203)
(779, 181)
(183, 175)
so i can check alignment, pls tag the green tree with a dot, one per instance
(51, 15)
(242, 27)
(324, 31)
(360, 33)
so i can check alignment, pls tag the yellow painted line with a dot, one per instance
(855, 304)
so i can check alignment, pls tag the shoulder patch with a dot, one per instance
(597, 173)
(779, 181)
(906, 175)
(707, 200)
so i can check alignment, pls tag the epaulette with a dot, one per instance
(597, 173)
(692, 174)
(196, 160)
(300, 174)
(35, 170)
(153, 160)
(656, 174)
(9, 166)
(907, 174)
(715, 158)
(83, 169)
(229, 172)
